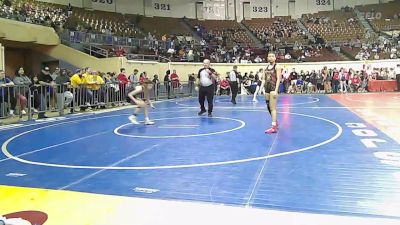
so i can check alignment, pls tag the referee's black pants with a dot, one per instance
(234, 89)
(208, 92)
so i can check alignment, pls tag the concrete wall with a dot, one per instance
(24, 32)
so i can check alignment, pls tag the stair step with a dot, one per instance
(304, 28)
(188, 27)
(363, 21)
(252, 35)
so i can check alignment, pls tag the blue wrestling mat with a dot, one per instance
(315, 163)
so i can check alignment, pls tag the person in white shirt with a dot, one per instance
(397, 70)
(258, 59)
(258, 77)
(233, 82)
(205, 84)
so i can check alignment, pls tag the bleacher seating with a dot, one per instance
(218, 29)
(354, 51)
(383, 17)
(270, 29)
(36, 12)
(318, 55)
(161, 26)
(334, 26)
(105, 22)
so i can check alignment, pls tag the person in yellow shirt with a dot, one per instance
(78, 83)
(94, 84)
(77, 80)
(93, 81)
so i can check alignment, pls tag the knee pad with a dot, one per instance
(268, 107)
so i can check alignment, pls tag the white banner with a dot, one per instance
(135, 7)
(163, 8)
(260, 9)
(214, 10)
(319, 5)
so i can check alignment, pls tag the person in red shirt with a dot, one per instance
(143, 77)
(123, 80)
(122, 77)
(224, 86)
(335, 80)
(355, 83)
(174, 79)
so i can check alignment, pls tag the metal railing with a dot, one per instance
(109, 39)
(141, 57)
(96, 51)
(38, 101)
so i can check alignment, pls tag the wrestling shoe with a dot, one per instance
(272, 130)
(133, 119)
(148, 122)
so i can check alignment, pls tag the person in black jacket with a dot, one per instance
(167, 82)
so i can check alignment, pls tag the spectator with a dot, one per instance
(175, 80)
(64, 96)
(6, 94)
(22, 83)
(123, 79)
(167, 82)
(355, 83)
(224, 87)
(133, 79)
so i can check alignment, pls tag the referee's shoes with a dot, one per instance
(202, 112)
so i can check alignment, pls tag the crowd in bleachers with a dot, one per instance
(66, 17)
(225, 33)
(102, 22)
(380, 48)
(222, 41)
(383, 17)
(278, 30)
(34, 12)
(335, 26)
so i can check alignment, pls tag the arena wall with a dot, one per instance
(215, 9)
(24, 32)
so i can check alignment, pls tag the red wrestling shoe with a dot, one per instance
(272, 130)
